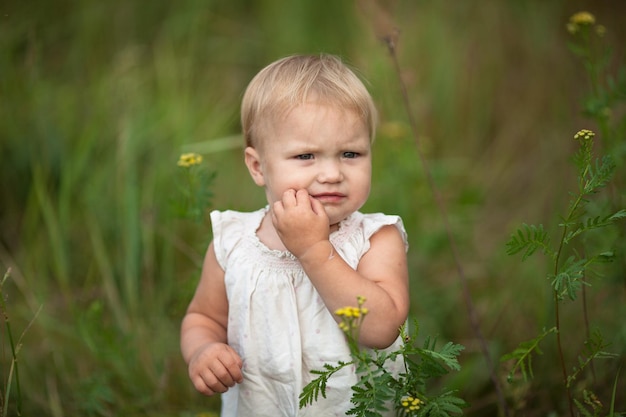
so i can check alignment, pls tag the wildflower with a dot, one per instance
(187, 160)
(579, 20)
(351, 317)
(411, 403)
(351, 312)
(583, 18)
(584, 134)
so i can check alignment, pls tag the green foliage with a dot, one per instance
(99, 98)
(194, 185)
(569, 275)
(11, 381)
(593, 349)
(13, 377)
(594, 223)
(312, 391)
(572, 256)
(523, 356)
(529, 238)
(408, 393)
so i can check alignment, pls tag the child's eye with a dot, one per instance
(305, 156)
(350, 155)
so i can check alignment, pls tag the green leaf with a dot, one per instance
(313, 389)
(570, 279)
(594, 223)
(529, 238)
(523, 355)
(600, 176)
(448, 355)
(594, 349)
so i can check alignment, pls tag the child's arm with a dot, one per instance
(381, 276)
(213, 365)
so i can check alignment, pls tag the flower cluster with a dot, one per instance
(350, 312)
(351, 317)
(187, 160)
(584, 134)
(411, 403)
(581, 20)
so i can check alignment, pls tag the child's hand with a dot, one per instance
(214, 368)
(300, 221)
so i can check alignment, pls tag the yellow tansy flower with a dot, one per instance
(583, 18)
(585, 134)
(411, 403)
(187, 160)
(578, 20)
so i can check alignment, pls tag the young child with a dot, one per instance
(262, 316)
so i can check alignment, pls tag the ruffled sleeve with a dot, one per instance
(352, 240)
(228, 227)
(372, 223)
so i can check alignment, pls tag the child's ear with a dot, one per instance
(253, 162)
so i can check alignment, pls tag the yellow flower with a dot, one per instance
(582, 18)
(585, 134)
(411, 403)
(187, 160)
(351, 317)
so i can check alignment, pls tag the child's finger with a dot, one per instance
(302, 197)
(317, 206)
(290, 198)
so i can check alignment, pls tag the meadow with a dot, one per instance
(100, 253)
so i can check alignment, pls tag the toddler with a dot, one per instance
(262, 315)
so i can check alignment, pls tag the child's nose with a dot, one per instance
(330, 171)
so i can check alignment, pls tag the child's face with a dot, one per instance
(321, 148)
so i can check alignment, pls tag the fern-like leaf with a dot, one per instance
(570, 279)
(594, 349)
(371, 394)
(600, 176)
(523, 355)
(317, 386)
(595, 223)
(447, 355)
(529, 238)
(443, 405)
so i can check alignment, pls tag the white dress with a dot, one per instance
(278, 323)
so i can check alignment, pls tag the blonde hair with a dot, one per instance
(293, 80)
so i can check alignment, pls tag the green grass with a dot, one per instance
(98, 99)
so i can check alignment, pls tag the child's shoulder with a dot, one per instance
(235, 215)
(376, 221)
(230, 221)
(369, 224)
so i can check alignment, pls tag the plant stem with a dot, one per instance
(390, 41)
(3, 310)
(560, 351)
(559, 344)
(587, 328)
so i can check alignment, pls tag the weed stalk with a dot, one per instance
(390, 41)
(14, 369)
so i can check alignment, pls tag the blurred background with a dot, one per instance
(98, 99)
